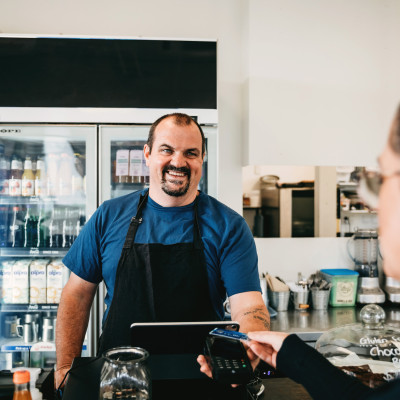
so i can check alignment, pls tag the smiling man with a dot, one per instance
(169, 253)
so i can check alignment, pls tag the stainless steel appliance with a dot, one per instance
(38, 227)
(392, 289)
(366, 250)
(48, 189)
(287, 208)
(89, 126)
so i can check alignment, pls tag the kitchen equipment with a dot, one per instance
(125, 374)
(320, 298)
(300, 299)
(28, 331)
(10, 326)
(366, 249)
(344, 286)
(368, 350)
(288, 208)
(392, 289)
(279, 300)
(48, 329)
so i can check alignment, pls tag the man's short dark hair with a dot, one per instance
(179, 119)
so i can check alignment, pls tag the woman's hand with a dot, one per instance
(266, 345)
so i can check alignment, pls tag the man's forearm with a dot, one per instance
(72, 320)
(249, 310)
(254, 319)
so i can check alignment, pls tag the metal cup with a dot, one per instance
(28, 331)
(48, 333)
(279, 300)
(49, 329)
(320, 299)
(10, 326)
(300, 300)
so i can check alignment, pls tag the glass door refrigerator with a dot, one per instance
(123, 168)
(48, 176)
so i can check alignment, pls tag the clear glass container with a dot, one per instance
(369, 351)
(125, 375)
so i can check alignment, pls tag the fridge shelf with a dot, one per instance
(76, 200)
(15, 346)
(28, 307)
(32, 252)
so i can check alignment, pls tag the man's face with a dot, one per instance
(389, 214)
(176, 160)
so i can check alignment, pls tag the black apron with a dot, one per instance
(157, 283)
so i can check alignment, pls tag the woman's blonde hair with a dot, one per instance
(394, 137)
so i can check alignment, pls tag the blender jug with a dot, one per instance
(365, 252)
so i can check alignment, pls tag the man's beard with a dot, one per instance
(176, 192)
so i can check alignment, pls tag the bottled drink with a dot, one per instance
(65, 175)
(80, 222)
(77, 175)
(67, 229)
(30, 229)
(4, 176)
(55, 230)
(52, 175)
(21, 380)
(4, 215)
(135, 165)
(39, 177)
(15, 181)
(122, 166)
(42, 229)
(16, 228)
(146, 171)
(28, 179)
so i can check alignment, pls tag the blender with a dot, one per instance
(366, 250)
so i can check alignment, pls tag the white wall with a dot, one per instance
(322, 85)
(211, 19)
(319, 89)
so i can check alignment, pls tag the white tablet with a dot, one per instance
(175, 337)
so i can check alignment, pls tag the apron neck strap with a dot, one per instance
(197, 242)
(135, 221)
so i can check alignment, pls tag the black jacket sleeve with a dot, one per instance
(322, 380)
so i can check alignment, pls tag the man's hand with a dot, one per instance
(205, 368)
(59, 375)
(72, 320)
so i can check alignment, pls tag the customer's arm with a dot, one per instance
(72, 320)
(305, 365)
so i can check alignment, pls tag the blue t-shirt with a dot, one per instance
(229, 246)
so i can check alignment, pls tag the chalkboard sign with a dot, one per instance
(120, 73)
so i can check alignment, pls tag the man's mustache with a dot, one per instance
(184, 170)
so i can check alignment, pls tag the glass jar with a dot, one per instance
(369, 351)
(125, 375)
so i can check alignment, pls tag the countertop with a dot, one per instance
(83, 384)
(310, 324)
